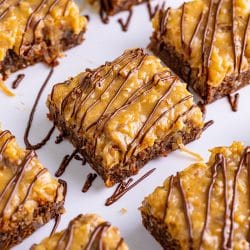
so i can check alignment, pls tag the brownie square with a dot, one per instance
(206, 206)
(205, 43)
(88, 231)
(29, 196)
(34, 31)
(125, 113)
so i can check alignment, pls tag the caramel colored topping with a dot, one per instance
(24, 182)
(22, 23)
(191, 153)
(125, 106)
(5, 90)
(212, 35)
(207, 206)
(85, 232)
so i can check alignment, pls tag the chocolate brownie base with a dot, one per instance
(115, 6)
(160, 232)
(190, 75)
(47, 53)
(118, 173)
(18, 232)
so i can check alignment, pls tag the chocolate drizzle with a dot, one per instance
(10, 190)
(244, 44)
(214, 33)
(66, 6)
(186, 211)
(89, 181)
(152, 12)
(66, 236)
(124, 187)
(244, 160)
(78, 103)
(97, 236)
(18, 80)
(234, 36)
(125, 24)
(13, 183)
(105, 5)
(170, 188)
(31, 117)
(228, 228)
(207, 125)
(182, 26)
(230, 205)
(233, 101)
(65, 162)
(196, 31)
(209, 30)
(57, 222)
(95, 239)
(5, 144)
(164, 20)
(59, 138)
(80, 158)
(28, 24)
(202, 105)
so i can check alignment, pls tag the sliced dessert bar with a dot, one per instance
(85, 232)
(206, 206)
(206, 42)
(29, 196)
(37, 30)
(124, 113)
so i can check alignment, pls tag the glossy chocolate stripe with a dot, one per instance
(139, 133)
(66, 236)
(37, 176)
(4, 13)
(186, 211)
(97, 236)
(66, 7)
(37, 9)
(119, 244)
(4, 144)
(234, 35)
(54, 3)
(123, 59)
(243, 50)
(31, 117)
(164, 20)
(142, 90)
(182, 26)
(116, 94)
(206, 31)
(219, 162)
(236, 177)
(162, 115)
(197, 28)
(130, 74)
(248, 182)
(170, 187)
(214, 32)
(124, 187)
(17, 179)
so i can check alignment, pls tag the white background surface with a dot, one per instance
(105, 42)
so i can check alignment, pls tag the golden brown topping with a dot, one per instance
(212, 35)
(125, 106)
(85, 232)
(24, 183)
(23, 22)
(207, 206)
